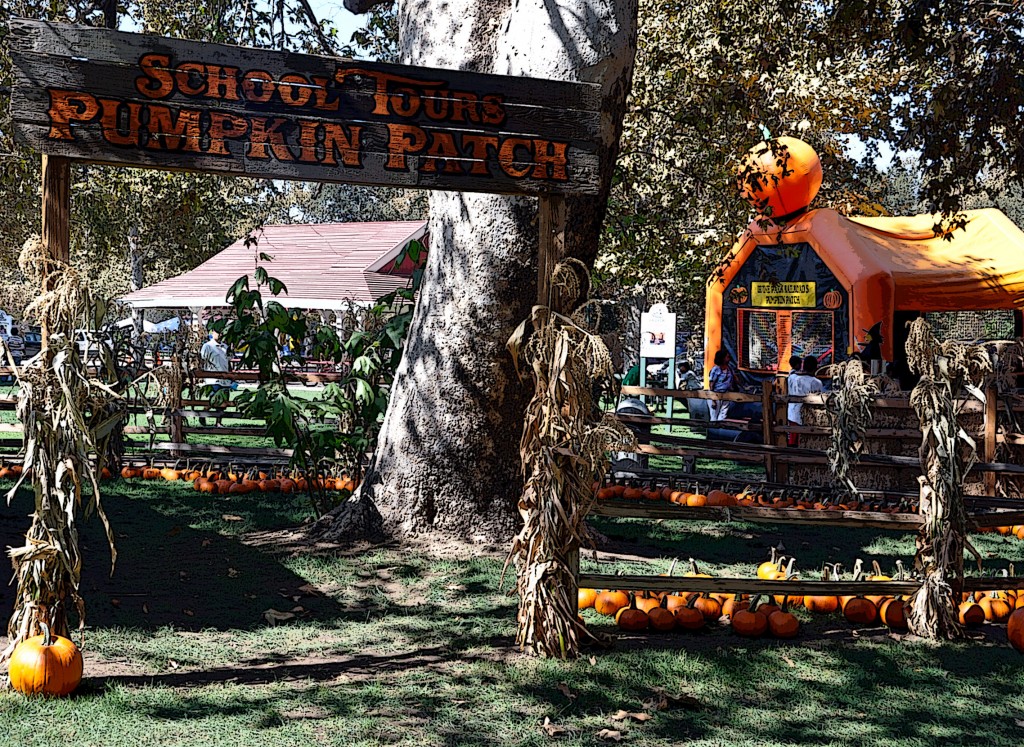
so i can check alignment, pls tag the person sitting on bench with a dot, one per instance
(804, 383)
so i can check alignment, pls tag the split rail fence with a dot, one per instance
(776, 457)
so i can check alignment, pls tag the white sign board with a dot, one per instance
(658, 333)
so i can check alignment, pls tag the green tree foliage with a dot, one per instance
(710, 77)
(181, 219)
(333, 429)
(942, 80)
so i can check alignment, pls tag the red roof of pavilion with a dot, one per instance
(322, 265)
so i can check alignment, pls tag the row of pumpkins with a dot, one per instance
(223, 482)
(220, 481)
(749, 498)
(754, 616)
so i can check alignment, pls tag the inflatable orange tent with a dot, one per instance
(818, 285)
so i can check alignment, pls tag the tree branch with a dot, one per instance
(326, 43)
(364, 6)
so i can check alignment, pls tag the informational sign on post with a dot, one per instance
(658, 333)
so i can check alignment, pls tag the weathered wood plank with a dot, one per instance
(670, 511)
(224, 450)
(111, 80)
(690, 394)
(112, 97)
(760, 586)
(91, 43)
(372, 169)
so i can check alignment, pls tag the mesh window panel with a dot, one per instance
(758, 338)
(813, 334)
(972, 326)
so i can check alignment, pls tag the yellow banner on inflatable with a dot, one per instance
(783, 295)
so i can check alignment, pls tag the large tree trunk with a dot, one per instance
(448, 456)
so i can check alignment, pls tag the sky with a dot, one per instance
(345, 21)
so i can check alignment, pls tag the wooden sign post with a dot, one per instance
(56, 233)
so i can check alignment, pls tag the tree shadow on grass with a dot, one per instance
(750, 543)
(168, 574)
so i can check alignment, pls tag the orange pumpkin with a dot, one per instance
(586, 598)
(1015, 630)
(689, 617)
(660, 617)
(50, 665)
(632, 619)
(783, 624)
(780, 177)
(893, 613)
(861, 611)
(609, 602)
(971, 614)
(832, 299)
(750, 623)
(721, 498)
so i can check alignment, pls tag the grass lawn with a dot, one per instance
(413, 645)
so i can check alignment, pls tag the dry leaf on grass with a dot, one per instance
(611, 735)
(232, 573)
(564, 689)
(206, 542)
(309, 590)
(621, 715)
(273, 617)
(788, 661)
(552, 730)
(190, 613)
(231, 517)
(663, 701)
(145, 608)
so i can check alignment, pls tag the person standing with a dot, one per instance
(16, 344)
(721, 379)
(806, 382)
(214, 357)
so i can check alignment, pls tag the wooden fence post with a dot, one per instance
(990, 434)
(767, 429)
(781, 417)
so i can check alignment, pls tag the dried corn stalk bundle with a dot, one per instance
(848, 405)
(55, 400)
(564, 451)
(948, 371)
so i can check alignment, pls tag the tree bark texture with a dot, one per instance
(448, 457)
(136, 281)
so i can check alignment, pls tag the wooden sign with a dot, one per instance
(113, 97)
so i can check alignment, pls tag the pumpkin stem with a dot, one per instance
(876, 567)
(672, 567)
(857, 573)
(789, 568)
(754, 599)
(693, 566)
(901, 572)
(47, 640)
(693, 601)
